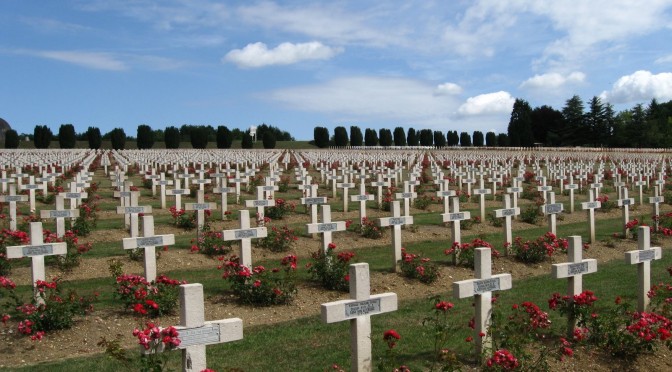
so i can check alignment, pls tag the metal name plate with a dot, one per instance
(245, 234)
(198, 336)
(625, 202)
(514, 189)
(406, 195)
(553, 208)
(60, 214)
(572, 186)
(362, 197)
(149, 241)
(456, 216)
(486, 285)
(656, 199)
(482, 191)
(647, 255)
(73, 195)
(33, 187)
(311, 201)
(259, 203)
(13, 198)
(360, 308)
(128, 210)
(506, 212)
(200, 206)
(327, 227)
(397, 221)
(591, 205)
(178, 192)
(577, 268)
(38, 250)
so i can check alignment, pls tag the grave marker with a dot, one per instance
(245, 235)
(642, 257)
(590, 207)
(358, 310)
(455, 217)
(149, 242)
(60, 214)
(507, 212)
(396, 221)
(12, 199)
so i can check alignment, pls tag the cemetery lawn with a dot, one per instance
(292, 337)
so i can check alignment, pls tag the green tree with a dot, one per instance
(491, 139)
(172, 138)
(198, 136)
(118, 138)
(465, 139)
(11, 139)
(439, 139)
(547, 121)
(67, 138)
(477, 138)
(224, 137)
(426, 137)
(340, 136)
(385, 137)
(247, 142)
(321, 137)
(42, 136)
(596, 123)
(399, 137)
(269, 140)
(145, 137)
(573, 115)
(412, 137)
(370, 137)
(453, 138)
(94, 137)
(356, 137)
(502, 140)
(520, 124)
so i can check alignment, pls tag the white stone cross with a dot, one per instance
(515, 190)
(312, 201)
(225, 204)
(551, 209)
(345, 185)
(12, 198)
(507, 212)
(200, 207)
(481, 289)
(455, 217)
(5, 181)
(74, 197)
(655, 203)
(362, 198)
(245, 235)
(195, 332)
(407, 195)
(132, 211)
(482, 191)
(625, 203)
(149, 242)
(237, 180)
(642, 257)
(60, 214)
(162, 182)
(36, 251)
(127, 198)
(573, 271)
(178, 192)
(260, 203)
(358, 310)
(446, 194)
(590, 207)
(379, 184)
(326, 227)
(31, 186)
(641, 185)
(396, 221)
(571, 186)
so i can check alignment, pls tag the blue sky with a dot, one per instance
(442, 65)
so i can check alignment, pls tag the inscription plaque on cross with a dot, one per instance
(31, 186)
(396, 221)
(260, 204)
(625, 204)
(642, 257)
(481, 289)
(177, 192)
(162, 182)
(362, 198)
(551, 209)
(655, 203)
(36, 250)
(195, 332)
(200, 207)
(407, 196)
(245, 235)
(149, 242)
(225, 203)
(481, 192)
(358, 310)
(573, 271)
(346, 186)
(326, 227)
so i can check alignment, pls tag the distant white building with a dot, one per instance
(253, 132)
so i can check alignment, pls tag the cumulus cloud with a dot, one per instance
(640, 86)
(447, 89)
(490, 103)
(258, 55)
(553, 80)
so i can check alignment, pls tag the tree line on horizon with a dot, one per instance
(598, 125)
(197, 135)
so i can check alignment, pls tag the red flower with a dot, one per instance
(443, 306)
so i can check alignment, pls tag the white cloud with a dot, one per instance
(665, 59)
(258, 54)
(553, 80)
(640, 86)
(447, 89)
(490, 103)
(93, 60)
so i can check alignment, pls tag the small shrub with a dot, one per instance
(415, 267)
(280, 210)
(530, 215)
(153, 299)
(259, 286)
(538, 250)
(210, 243)
(370, 230)
(606, 204)
(469, 224)
(279, 239)
(72, 258)
(495, 221)
(423, 202)
(330, 269)
(183, 219)
(465, 254)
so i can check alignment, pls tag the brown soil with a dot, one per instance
(82, 339)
